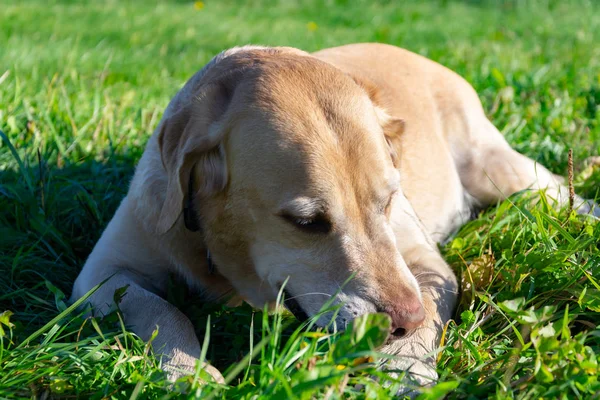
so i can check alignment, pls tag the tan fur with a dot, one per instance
(269, 133)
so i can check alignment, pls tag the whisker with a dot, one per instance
(424, 273)
(439, 288)
(427, 282)
(221, 297)
(309, 294)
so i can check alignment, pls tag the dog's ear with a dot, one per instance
(393, 127)
(191, 139)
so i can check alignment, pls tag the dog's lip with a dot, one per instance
(294, 307)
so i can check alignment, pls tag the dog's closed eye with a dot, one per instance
(315, 224)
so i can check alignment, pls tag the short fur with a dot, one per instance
(389, 151)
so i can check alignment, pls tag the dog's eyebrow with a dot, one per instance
(305, 207)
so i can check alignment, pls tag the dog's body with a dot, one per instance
(352, 161)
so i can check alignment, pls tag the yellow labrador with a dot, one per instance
(279, 164)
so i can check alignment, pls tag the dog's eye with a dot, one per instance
(317, 224)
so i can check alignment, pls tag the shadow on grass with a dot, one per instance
(50, 219)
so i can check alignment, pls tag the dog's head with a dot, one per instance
(288, 166)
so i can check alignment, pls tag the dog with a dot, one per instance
(273, 165)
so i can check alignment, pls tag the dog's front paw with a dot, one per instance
(214, 373)
(422, 374)
(415, 374)
(186, 367)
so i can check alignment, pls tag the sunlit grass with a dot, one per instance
(82, 86)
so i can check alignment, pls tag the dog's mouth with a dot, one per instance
(293, 306)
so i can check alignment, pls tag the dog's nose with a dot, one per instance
(405, 317)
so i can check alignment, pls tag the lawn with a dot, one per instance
(82, 86)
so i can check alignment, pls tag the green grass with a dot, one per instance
(83, 84)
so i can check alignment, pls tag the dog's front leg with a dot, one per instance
(416, 353)
(144, 312)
